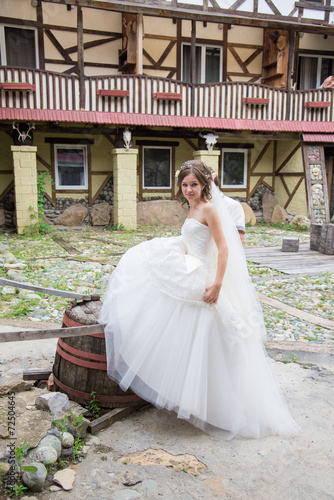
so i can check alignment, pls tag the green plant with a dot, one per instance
(77, 447)
(22, 308)
(75, 422)
(62, 424)
(18, 489)
(116, 227)
(40, 227)
(293, 358)
(94, 406)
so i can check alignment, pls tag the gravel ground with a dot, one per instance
(86, 267)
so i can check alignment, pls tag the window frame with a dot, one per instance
(71, 188)
(203, 60)
(234, 186)
(153, 188)
(319, 63)
(3, 43)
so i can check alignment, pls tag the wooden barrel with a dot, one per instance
(80, 365)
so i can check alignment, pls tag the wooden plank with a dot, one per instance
(324, 323)
(112, 92)
(64, 244)
(47, 291)
(315, 104)
(55, 333)
(36, 374)
(111, 417)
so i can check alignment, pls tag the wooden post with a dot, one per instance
(40, 36)
(139, 34)
(193, 64)
(81, 58)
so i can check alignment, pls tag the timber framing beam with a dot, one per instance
(205, 13)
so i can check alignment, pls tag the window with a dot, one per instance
(208, 64)
(71, 167)
(313, 70)
(157, 168)
(234, 168)
(18, 47)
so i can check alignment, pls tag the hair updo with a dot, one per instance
(201, 172)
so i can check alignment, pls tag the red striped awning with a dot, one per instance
(133, 119)
(318, 137)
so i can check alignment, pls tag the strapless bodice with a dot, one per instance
(197, 238)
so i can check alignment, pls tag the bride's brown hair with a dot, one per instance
(201, 172)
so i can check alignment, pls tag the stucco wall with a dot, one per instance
(298, 204)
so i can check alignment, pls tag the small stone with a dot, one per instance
(54, 432)
(15, 265)
(4, 468)
(35, 480)
(67, 440)
(9, 290)
(65, 478)
(3, 432)
(46, 454)
(55, 488)
(67, 452)
(54, 441)
(150, 488)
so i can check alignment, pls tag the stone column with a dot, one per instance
(25, 182)
(125, 187)
(210, 158)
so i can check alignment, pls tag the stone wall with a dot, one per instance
(51, 212)
(255, 202)
(7, 204)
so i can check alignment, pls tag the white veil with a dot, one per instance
(237, 284)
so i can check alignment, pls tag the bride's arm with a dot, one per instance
(213, 221)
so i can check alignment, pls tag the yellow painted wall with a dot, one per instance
(310, 41)
(211, 31)
(298, 204)
(154, 25)
(18, 8)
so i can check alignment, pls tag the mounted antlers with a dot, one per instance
(210, 140)
(23, 135)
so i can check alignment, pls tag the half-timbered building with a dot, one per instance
(110, 97)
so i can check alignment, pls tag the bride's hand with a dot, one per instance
(212, 293)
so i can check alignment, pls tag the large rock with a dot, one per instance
(301, 221)
(35, 480)
(268, 204)
(55, 402)
(12, 382)
(2, 217)
(72, 216)
(161, 213)
(279, 214)
(100, 214)
(249, 214)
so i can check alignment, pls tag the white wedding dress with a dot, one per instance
(205, 362)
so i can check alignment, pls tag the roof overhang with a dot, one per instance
(133, 119)
(318, 138)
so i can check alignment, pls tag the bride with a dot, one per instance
(184, 327)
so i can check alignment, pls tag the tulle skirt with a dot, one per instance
(184, 355)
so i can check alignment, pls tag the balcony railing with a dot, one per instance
(151, 95)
